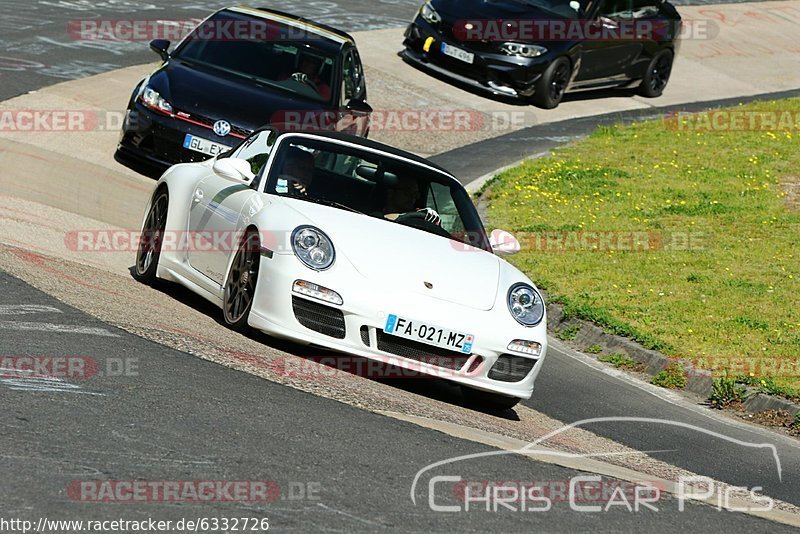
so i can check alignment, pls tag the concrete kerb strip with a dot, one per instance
(589, 465)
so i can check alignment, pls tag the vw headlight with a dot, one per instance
(523, 50)
(525, 304)
(152, 99)
(430, 14)
(313, 247)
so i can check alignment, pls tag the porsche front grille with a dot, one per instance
(319, 318)
(510, 368)
(420, 351)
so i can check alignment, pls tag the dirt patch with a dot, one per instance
(779, 419)
(791, 186)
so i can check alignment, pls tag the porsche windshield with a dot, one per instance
(377, 185)
(274, 60)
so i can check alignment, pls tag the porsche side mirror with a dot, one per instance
(160, 47)
(503, 243)
(237, 170)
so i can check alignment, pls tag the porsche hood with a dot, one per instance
(407, 259)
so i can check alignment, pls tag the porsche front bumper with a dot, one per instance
(356, 327)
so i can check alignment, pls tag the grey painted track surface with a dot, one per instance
(174, 417)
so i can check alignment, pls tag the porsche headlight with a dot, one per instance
(430, 14)
(313, 247)
(525, 304)
(523, 50)
(152, 99)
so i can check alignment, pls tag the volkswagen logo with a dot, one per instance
(222, 128)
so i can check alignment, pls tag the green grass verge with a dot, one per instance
(621, 361)
(568, 333)
(721, 274)
(673, 377)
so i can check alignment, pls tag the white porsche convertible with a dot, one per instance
(351, 245)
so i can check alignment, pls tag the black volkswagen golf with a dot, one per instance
(239, 70)
(539, 49)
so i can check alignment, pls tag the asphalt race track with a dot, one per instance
(336, 456)
(37, 51)
(337, 468)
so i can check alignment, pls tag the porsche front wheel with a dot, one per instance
(240, 286)
(152, 237)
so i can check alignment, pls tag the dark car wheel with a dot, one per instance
(491, 401)
(657, 75)
(152, 237)
(550, 88)
(240, 288)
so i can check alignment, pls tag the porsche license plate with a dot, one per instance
(454, 51)
(198, 144)
(429, 334)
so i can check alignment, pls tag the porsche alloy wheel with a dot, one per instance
(152, 238)
(240, 287)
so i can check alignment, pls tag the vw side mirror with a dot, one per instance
(160, 47)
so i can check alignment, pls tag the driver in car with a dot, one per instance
(311, 66)
(297, 173)
(401, 199)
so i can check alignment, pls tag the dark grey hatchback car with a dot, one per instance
(538, 50)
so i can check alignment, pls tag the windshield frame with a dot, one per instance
(473, 225)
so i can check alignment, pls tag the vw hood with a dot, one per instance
(218, 95)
